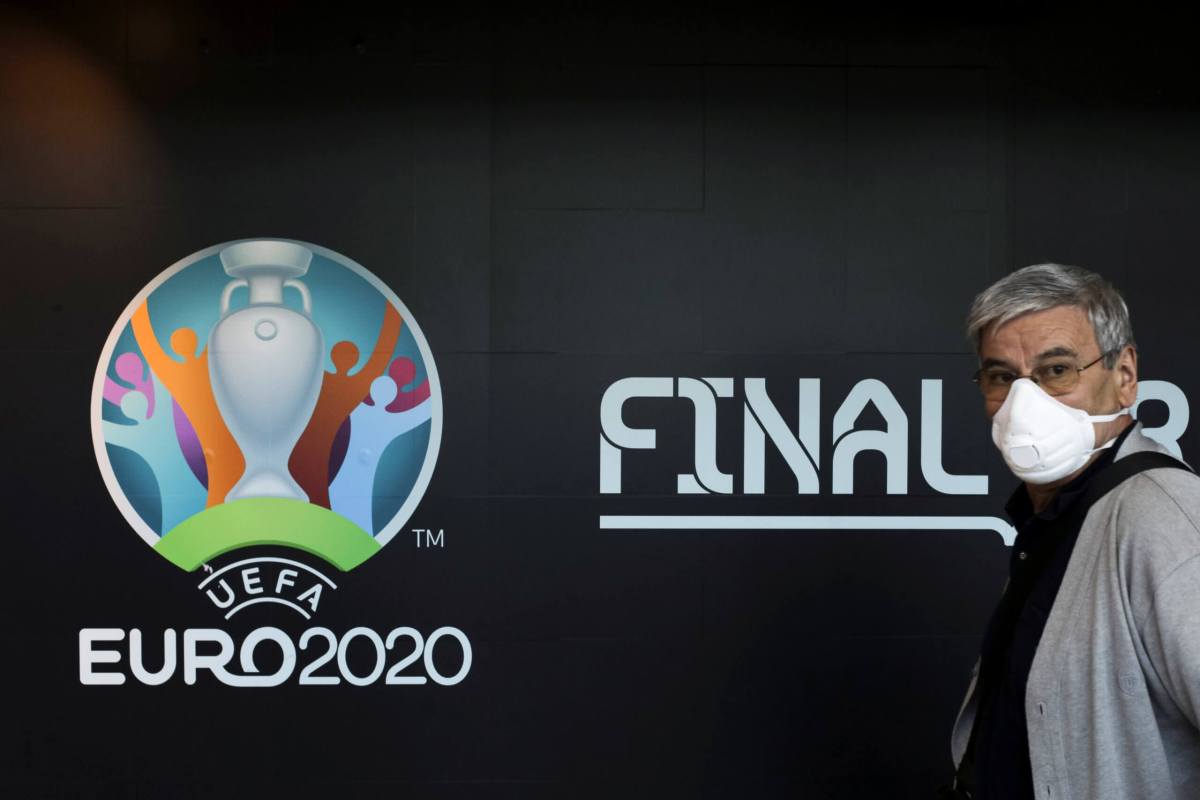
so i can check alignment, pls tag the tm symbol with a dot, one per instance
(426, 537)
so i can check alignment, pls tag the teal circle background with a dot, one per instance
(345, 306)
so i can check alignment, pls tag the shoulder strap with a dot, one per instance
(1121, 470)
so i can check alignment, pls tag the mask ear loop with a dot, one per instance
(1107, 418)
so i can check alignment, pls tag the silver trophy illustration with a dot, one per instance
(265, 363)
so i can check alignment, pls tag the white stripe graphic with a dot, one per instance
(753, 522)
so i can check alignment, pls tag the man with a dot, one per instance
(1088, 681)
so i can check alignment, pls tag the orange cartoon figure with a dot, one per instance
(341, 392)
(187, 381)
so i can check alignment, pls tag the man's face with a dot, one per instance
(1020, 345)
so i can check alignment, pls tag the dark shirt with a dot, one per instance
(1038, 562)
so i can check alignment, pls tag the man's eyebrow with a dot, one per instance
(1057, 351)
(1053, 352)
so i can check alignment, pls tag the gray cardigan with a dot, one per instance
(1113, 698)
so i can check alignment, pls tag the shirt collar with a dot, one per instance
(1019, 507)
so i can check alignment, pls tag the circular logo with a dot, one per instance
(266, 392)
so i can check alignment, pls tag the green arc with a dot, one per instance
(262, 521)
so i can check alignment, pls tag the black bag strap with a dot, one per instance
(1119, 471)
(1104, 482)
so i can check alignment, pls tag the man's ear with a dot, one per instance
(1127, 376)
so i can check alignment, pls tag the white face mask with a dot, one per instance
(1043, 439)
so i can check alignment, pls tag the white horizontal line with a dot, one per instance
(754, 522)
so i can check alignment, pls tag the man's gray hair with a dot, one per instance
(1043, 286)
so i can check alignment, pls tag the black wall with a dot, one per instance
(564, 199)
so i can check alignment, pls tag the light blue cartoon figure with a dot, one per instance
(372, 429)
(153, 438)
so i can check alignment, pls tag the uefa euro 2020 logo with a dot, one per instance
(266, 392)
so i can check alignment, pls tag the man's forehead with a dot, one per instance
(1063, 330)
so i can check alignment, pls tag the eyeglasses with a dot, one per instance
(1057, 376)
